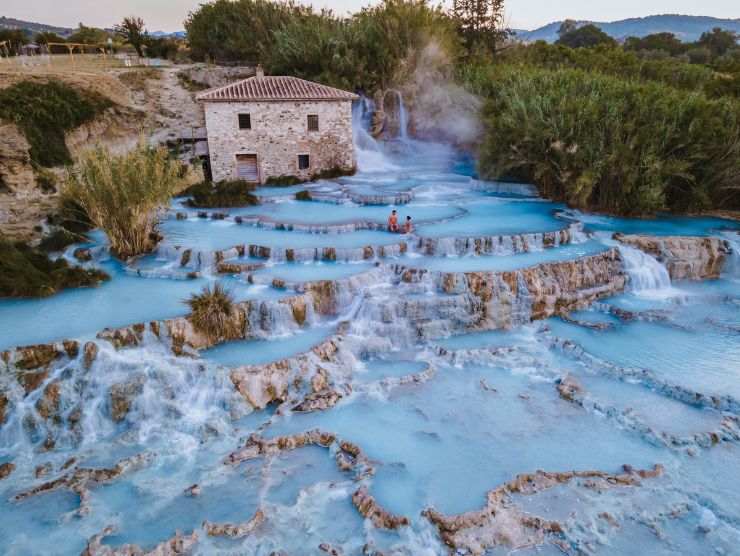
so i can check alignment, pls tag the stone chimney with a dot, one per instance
(260, 71)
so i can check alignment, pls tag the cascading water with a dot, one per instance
(403, 118)
(648, 277)
(420, 364)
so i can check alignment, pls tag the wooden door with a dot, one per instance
(246, 167)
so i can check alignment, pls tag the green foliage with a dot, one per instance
(213, 313)
(162, 47)
(89, 35)
(585, 37)
(480, 23)
(227, 193)
(45, 111)
(45, 37)
(303, 196)
(364, 51)
(718, 41)
(666, 42)
(121, 194)
(604, 143)
(28, 272)
(132, 31)
(283, 181)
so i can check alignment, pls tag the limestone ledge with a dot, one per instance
(685, 257)
(200, 259)
(498, 244)
(178, 545)
(502, 523)
(507, 298)
(261, 385)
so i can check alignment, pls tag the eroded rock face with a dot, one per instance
(502, 523)
(3, 407)
(686, 258)
(495, 300)
(122, 396)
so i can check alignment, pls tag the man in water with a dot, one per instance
(393, 222)
(408, 227)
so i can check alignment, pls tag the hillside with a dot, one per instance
(686, 27)
(11, 23)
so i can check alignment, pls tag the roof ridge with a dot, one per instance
(274, 87)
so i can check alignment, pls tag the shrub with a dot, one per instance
(283, 181)
(45, 112)
(121, 193)
(213, 313)
(136, 79)
(27, 272)
(227, 193)
(303, 196)
(608, 144)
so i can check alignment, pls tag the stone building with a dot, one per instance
(270, 126)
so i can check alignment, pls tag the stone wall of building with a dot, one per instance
(278, 135)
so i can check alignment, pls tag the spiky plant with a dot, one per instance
(213, 313)
(121, 193)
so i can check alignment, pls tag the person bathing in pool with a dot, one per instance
(393, 221)
(408, 227)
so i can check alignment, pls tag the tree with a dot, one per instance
(88, 35)
(567, 26)
(666, 42)
(45, 37)
(133, 31)
(718, 41)
(15, 37)
(585, 37)
(480, 22)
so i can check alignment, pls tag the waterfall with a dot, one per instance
(403, 119)
(732, 266)
(648, 277)
(370, 157)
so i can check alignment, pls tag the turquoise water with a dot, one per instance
(444, 409)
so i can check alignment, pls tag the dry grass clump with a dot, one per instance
(213, 313)
(136, 79)
(121, 194)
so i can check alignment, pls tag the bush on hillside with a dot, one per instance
(602, 143)
(223, 194)
(28, 272)
(121, 194)
(44, 112)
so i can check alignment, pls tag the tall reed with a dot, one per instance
(121, 193)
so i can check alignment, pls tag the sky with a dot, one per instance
(168, 15)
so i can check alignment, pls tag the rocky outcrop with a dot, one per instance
(81, 479)
(502, 523)
(6, 469)
(179, 545)
(122, 396)
(234, 531)
(686, 258)
(261, 385)
(380, 517)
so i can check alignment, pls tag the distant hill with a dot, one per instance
(687, 28)
(10, 23)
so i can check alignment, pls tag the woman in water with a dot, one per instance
(408, 227)
(393, 222)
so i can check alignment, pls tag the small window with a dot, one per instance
(245, 121)
(304, 163)
(313, 122)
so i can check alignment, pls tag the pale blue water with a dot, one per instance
(212, 235)
(484, 406)
(254, 352)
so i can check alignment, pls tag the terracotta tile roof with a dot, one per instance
(274, 87)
